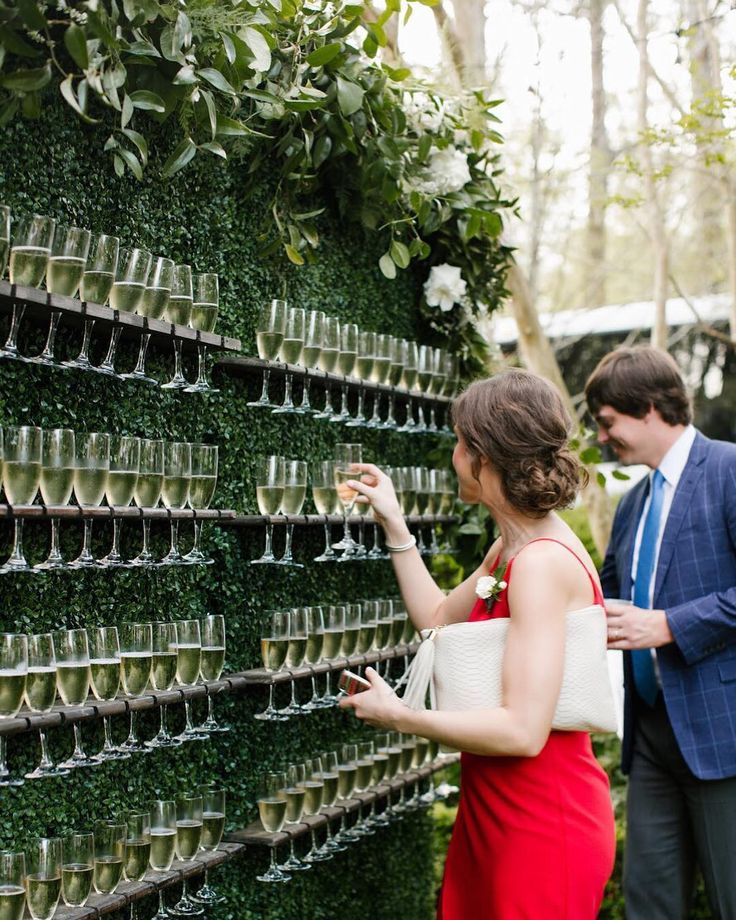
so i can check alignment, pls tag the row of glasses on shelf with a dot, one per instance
(314, 340)
(121, 848)
(71, 261)
(136, 657)
(331, 778)
(311, 635)
(96, 466)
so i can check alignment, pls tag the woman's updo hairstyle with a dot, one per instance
(518, 421)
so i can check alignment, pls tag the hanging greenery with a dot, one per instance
(296, 84)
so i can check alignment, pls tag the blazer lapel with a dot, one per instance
(680, 505)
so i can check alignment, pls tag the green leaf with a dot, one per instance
(182, 154)
(76, 45)
(67, 91)
(229, 47)
(132, 161)
(142, 49)
(216, 79)
(14, 44)
(370, 46)
(324, 55)
(400, 254)
(26, 81)
(470, 529)
(31, 15)
(600, 479)
(229, 127)
(148, 101)
(209, 102)
(127, 111)
(590, 455)
(215, 148)
(139, 141)
(258, 46)
(185, 76)
(619, 474)
(293, 255)
(322, 150)
(118, 164)
(387, 266)
(349, 96)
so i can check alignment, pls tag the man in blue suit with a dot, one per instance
(673, 553)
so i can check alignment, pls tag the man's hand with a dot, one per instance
(634, 627)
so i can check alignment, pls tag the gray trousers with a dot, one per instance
(675, 823)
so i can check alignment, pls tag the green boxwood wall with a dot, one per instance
(56, 166)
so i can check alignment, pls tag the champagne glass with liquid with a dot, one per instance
(201, 493)
(295, 651)
(363, 370)
(313, 340)
(21, 471)
(13, 674)
(296, 774)
(137, 850)
(77, 866)
(104, 649)
(99, 269)
(57, 483)
(345, 456)
(274, 646)
(272, 813)
(72, 681)
(4, 237)
(363, 780)
(314, 786)
(43, 881)
(41, 694)
(410, 355)
(212, 628)
(163, 845)
(179, 312)
(270, 328)
(136, 665)
(292, 501)
(290, 352)
(91, 469)
(395, 370)
(313, 653)
(330, 782)
(188, 666)
(147, 491)
(270, 482)
(163, 676)
(347, 356)
(12, 885)
(110, 837)
(175, 491)
(29, 255)
(328, 360)
(213, 827)
(205, 306)
(334, 616)
(125, 460)
(152, 304)
(324, 496)
(189, 815)
(379, 374)
(347, 769)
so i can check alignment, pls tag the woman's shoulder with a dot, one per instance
(560, 561)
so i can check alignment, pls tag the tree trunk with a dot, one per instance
(600, 159)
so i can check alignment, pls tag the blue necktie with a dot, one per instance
(641, 659)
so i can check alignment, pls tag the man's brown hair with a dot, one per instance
(634, 380)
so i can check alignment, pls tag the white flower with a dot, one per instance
(485, 585)
(502, 585)
(444, 287)
(425, 112)
(449, 168)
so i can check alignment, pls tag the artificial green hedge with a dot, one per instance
(55, 166)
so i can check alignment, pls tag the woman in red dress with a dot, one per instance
(534, 837)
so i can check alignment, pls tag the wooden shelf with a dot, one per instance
(106, 512)
(39, 304)
(241, 366)
(314, 520)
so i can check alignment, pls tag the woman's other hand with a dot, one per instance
(377, 489)
(378, 706)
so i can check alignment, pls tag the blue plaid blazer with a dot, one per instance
(695, 584)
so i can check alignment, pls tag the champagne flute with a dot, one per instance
(384, 768)
(345, 456)
(270, 328)
(425, 372)
(125, 460)
(345, 364)
(379, 374)
(213, 827)
(205, 305)
(270, 472)
(328, 360)
(29, 256)
(99, 269)
(175, 491)
(163, 845)
(274, 646)
(40, 695)
(147, 491)
(395, 370)
(21, 477)
(136, 666)
(330, 783)
(410, 356)
(292, 500)
(314, 649)
(4, 238)
(137, 850)
(296, 776)
(43, 881)
(290, 352)
(57, 482)
(147, 282)
(90, 478)
(296, 649)
(188, 666)
(313, 340)
(104, 664)
(324, 496)
(12, 884)
(351, 632)
(368, 625)
(110, 837)
(437, 385)
(13, 674)
(436, 485)
(363, 780)
(347, 769)
(451, 387)
(77, 867)
(163, 675)
(201, 493)
(212, 628)
(364, 368)
(334, 616)
(314, 786)
(72, 681)
(272, 813)
(421, 478)
(179, 311)
(188, 838)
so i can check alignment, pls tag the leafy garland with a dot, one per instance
(292, 83)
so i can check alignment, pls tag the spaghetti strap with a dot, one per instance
(597, 594)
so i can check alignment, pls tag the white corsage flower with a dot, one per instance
(445, 287)
(489, 587)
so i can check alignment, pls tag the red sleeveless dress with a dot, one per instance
(534, 837)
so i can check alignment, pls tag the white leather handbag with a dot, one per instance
(461, 666)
